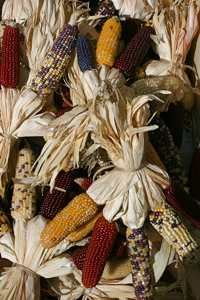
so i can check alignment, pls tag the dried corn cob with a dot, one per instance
(140, 260)
(84, 230)
(135, 52)
(78, 212)
(24, 197)
(9, 75)
(4, 224)
(100, 246)
(52, 70)
(78, 256)
(170, 227)
(65, 189)
(108, 42)
(84, 54)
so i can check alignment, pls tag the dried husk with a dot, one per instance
(30, 260)
(175, 28)
(121, 131)
(18, 118)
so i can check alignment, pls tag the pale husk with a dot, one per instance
(18, 118)
(135, 185)
(31, 260)
(175, 29)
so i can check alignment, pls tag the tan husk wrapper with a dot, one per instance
(175, 29)
(135, 185)
(30, 260)
(18, 118)
(67, 135)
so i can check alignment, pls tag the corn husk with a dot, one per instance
(30, 260)
(175, 29)
(141, 9)
(135, 185)
(18, 118)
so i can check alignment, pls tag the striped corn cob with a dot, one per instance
(100, 246)
(170, 227)
(24, 197)
(135, 52)
(78, 256)
(78, 212)
(65, 190)
(84, 230)
(10, 63)
(108, 41)
(53, 68)
(4, 224)
(139, 256)
(84, 54)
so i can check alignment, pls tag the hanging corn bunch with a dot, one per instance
(24, 197)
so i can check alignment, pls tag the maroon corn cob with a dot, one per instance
(135, 52)
(56, 200)
(100, 246)
(78, 256)
(9, 75)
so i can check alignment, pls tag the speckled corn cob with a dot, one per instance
(78, 212)
(65, 189)
(78, 256)
(53, 68)
(84, 230)
(135, 52)
(24, 196)
(170, 227)
(108, 42)
(4, 224)
(100, 246)
(9, 75)
(84, 54)
(139, 255)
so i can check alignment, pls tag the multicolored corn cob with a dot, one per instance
(4, 224)
(78, 256)
(108, 41)
(53, 68)
(10, 62)
(78, 212)
(65, 190)
(84, 230)
(139, 256)
(170, 227)
(24, 196)
(100, 246)
(135, 52)
(84, 54)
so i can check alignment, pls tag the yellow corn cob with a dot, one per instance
(24, 196)
(84, 230)
(108, 42)
(78, 212)
(4, 224)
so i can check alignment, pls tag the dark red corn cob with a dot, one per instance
(79, 255)
(100, 246)
(85, 183)
(135, 52)
(9, 75)
(56, 200)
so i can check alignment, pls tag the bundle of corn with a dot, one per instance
(9, 74)
(108, 41)
(78, 212)
(175, 28)
(24, 197)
